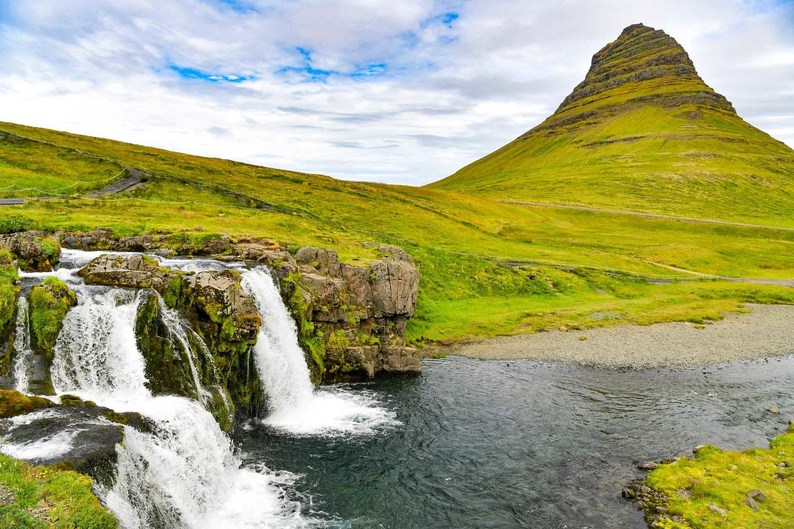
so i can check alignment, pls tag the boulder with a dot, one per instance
(134, 271)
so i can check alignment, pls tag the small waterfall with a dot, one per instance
(184, 474)
(24, 354)
(96, 350)
(295, 406)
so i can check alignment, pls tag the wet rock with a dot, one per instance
(13, 403)
(327, 296)
(135, 271)
(648, 466)
(774, 409)
(401, 360)
(74, 435)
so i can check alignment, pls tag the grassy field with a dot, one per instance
(487, 267)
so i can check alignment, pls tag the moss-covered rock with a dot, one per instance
(13, 403)
(49, 303)
(34, 251)
(8, 308)
(167, 365)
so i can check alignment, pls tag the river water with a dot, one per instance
(496, 444)
(467, 444)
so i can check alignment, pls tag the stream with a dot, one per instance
(467, 444)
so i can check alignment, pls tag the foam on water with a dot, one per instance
(47, 447)
(295, 406)
(24, 354)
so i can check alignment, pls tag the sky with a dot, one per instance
(400, 92)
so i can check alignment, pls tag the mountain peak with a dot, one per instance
(641, 132)
(643, 65)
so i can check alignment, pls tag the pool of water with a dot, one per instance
(505, 444)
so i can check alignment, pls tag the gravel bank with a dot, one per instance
(766, 331)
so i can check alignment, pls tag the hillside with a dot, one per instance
(486, 267)
(643, 132)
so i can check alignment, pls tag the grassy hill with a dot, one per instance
(487, 267)
(643, 132)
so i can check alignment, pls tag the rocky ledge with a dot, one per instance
(351, 318)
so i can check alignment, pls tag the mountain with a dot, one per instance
(642, 132)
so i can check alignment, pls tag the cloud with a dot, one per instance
(404, 92)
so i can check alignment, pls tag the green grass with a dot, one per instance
(724, 479)
(460, 241)
(45, 498)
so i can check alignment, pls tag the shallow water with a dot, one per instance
(504, 444)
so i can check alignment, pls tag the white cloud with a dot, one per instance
(440, 93)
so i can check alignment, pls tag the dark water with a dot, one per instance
(497, 444)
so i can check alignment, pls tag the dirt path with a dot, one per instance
(647, 215)
(766, 331)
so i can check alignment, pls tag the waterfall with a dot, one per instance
(184, 474)
(24, 354)
(294, 404)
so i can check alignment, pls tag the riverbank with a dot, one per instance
(767, 330)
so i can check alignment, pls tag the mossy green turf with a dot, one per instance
(475, 254)
(45, 498)
(724, 479)
(643, 132)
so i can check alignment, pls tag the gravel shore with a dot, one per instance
(766, 331)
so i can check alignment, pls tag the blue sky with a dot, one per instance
(403, 92)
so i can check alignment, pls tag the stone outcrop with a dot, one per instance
(34, 251)
(356, 315)
(351, 318)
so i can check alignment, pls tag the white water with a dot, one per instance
(295, 406)
(24, 354)
(185, 474)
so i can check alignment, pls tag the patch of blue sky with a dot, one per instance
(241, 6)
(201, 75)
(447, 19)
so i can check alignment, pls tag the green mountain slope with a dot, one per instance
(487, 267)
(642, 132)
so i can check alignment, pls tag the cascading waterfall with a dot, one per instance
(295, 406)
(184, 474)
(24, 354)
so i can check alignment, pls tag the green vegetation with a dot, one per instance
(643, 132)
(475, 255)
(49, 303)
(45, 498)
(718, 488)
(8, 307)
(13, 403)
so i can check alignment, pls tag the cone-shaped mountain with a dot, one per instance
(642, 132)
